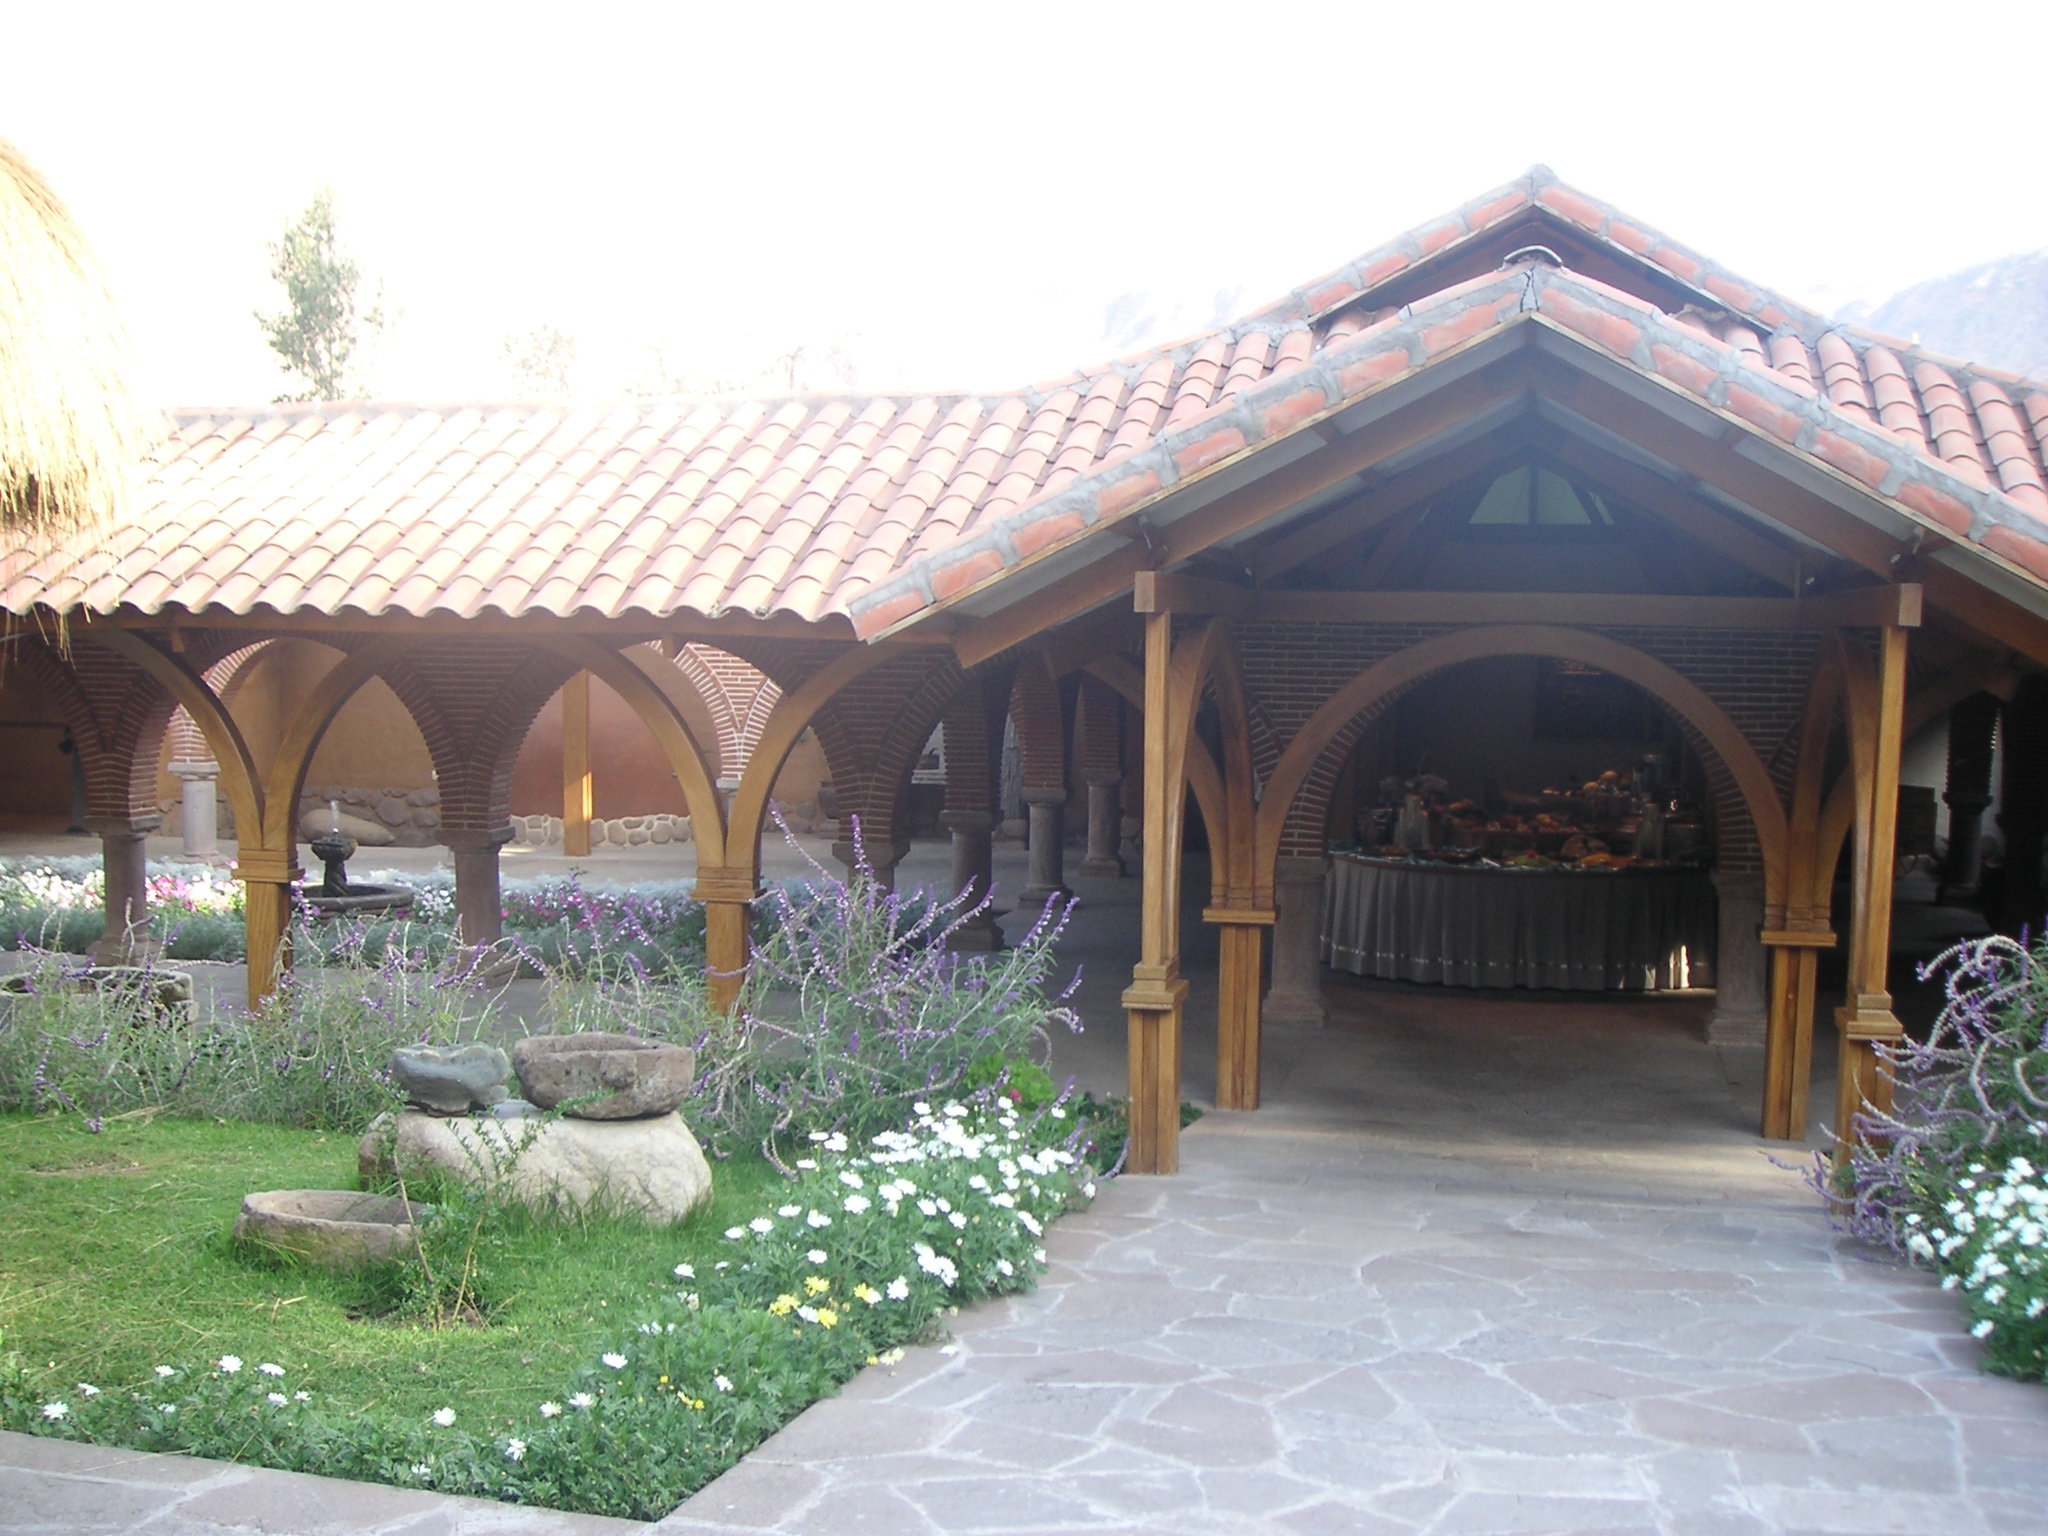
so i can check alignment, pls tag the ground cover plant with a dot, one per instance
(588, 1363)
(1956, 1177)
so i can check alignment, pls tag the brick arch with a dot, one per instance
(874, 729)
(118, 714)
(186, 741)
(739, 695)
(474, 701)
(1301, 781)
(1038, 710)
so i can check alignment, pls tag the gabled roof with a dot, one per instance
(878, 510)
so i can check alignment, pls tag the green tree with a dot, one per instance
(317, 333)
(540, 361)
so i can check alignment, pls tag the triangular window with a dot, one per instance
(1531, 497)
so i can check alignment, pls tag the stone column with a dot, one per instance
(1048, 852)
(882, 861)
(1741, 965)
(479, 901)
(1971, 725)
(1296, 996)
(1105, 828)
(197, 808)
(974, 871)
(125, 862)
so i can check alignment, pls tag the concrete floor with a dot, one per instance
(1479, 1264)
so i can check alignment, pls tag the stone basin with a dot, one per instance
(360, 900)
(331, 1228)
(616, 1077)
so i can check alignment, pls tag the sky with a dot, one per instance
(966, 196)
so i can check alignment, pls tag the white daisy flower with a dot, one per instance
(818, 1220)
(898, 1289)
(422, 1469)
(229, 1364)
(685, 1272)
(721, 1383)
(762, 1225)
(582, 1400)
(445, 1417)
(816, 1255)
(735, 1233)
(302, 1397)
(271, 1370)
(165, 1372)
(515, 1450)
(789, 1212)
(550, 1410)
(856, 1204)
(616, 1362)
(55, 1411)
(277, 1399)
(88, 1389)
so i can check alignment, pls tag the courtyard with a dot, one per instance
(1478, 1264)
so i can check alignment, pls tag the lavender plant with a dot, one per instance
(856, 1008)
(1952, 1177)
(316, 1055)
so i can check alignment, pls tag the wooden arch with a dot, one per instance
(1404, 668)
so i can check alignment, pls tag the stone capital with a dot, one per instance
(1045, 797)
(460, 840)
(967, 821)
(123, 828)
(188, 771)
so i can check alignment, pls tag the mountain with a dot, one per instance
(1995, 314)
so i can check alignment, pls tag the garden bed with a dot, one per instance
(889, 1147)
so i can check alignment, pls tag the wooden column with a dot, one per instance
(727, 895)
(268, 878)
(1241, 936)
(1797, 933)
(1154, 998)
(1867, 1025)
(576, 783)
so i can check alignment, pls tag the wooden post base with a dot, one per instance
(1788, 1044)
(1869, 1035)
(725, 952)
(1154, 1004)
(1241, 939)
(266, 918)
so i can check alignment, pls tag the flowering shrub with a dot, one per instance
(865, 1254)
(856, 1007)
(1951, 1177)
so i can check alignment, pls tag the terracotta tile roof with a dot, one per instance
(875, 509)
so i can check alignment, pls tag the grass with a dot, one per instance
(115, 1256)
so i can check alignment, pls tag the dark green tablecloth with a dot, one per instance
(1620, 930)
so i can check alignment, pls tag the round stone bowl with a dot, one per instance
(603, 1077)
(331, 1228)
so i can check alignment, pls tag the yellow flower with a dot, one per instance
(827, 1318)
(782, 1305)
(816, 1285)
(867, 1293)
(664, 1381)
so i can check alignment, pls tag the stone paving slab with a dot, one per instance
(60, 1486)
(1544, 1313)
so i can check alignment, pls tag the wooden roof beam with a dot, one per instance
(1856, 608)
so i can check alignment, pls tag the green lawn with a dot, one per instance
(115, 1257)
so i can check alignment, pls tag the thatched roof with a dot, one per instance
(71, 430)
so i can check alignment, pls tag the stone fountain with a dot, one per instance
(337, 897)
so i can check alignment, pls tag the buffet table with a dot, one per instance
(1582, 930)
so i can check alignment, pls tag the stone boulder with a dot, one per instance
(317, 821)
(452, 1079)
(330, 1228)
(651, 1168)
(616, 1077)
